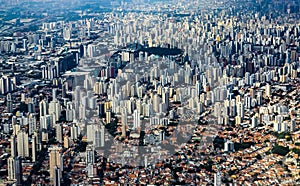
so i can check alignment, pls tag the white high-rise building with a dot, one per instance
(15, 170)
(55, 109)
(13, 146)
(67, 33)
(43, 107)
(124, 121)
(240, 109)
(91, 50)
(90, 129)
(33, 145)
(74, 132)
(228, 146)
(32, 123)
(46, 121)
(165, 97)
(11, 168)
(99, 137)
(136, 119)
(254, 122)
(22, 144)
(277, 127)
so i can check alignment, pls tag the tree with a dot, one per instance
(280, 150)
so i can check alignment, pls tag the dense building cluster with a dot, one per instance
(173, 93)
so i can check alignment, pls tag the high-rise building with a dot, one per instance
(228, 146)
(218, 179)
(70, 112)
(56, 160)
(57, 176)
(46, 122)
(32, 123)
(23, 146)
(136, 119)
(293, 125)
(43, 107)
(99, 137)
(277, 127)
(156, 102)
(33, 146)
(165, 97)
(9, 103)
(11, 168)
(268, 90)
(124, 121)
(108, 116)
(55, 109)
(59, 133)
(67, 33)
(25, 44)
(66, 142)
(90, 155)
(74, 132)
(240, 109)
(13, 146)
(15, 170)
(254, 122)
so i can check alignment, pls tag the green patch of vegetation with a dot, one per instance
(280, 150)
(242, 146)
(218, 143)
(296, 150)
(268, 152)
(81, 146)
(112, 127)
(162, 51)
(282, 135)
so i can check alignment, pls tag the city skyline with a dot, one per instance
(141, 92)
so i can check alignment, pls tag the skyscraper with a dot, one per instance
(59, 133)
(13, 146)
(55, 109)
(11, 168)
(99, 137)
(15, 170)
(90, 155)
(22, 139)
(57, 176)
(9, 103)
(18, 169)
(56, 160)
(136, 119)
(124, 121)
(43, 106)
(33, 145)
(268, 90)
